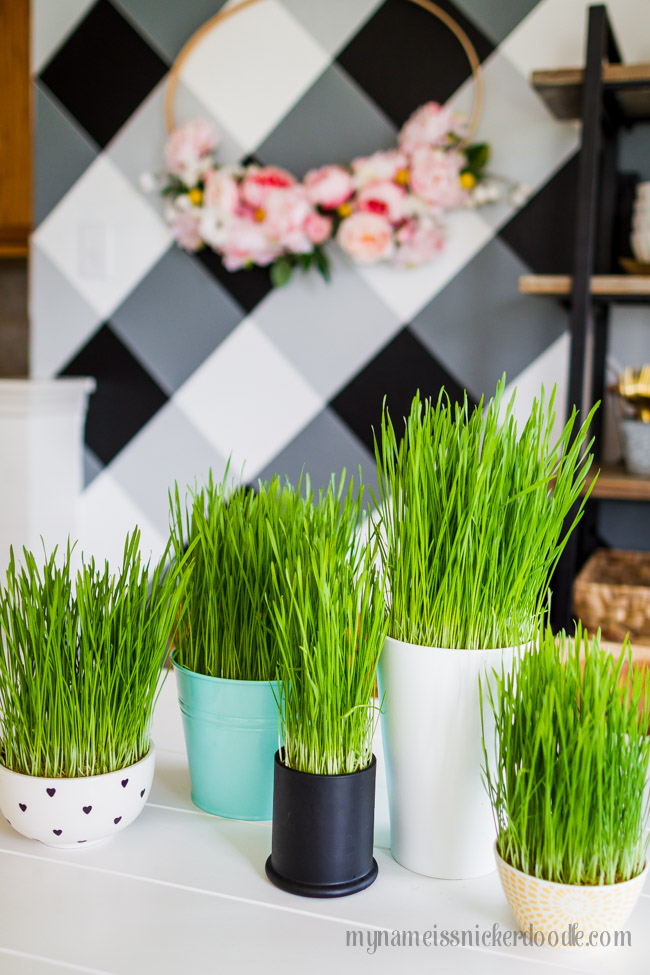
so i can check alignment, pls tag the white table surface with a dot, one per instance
(183, 892)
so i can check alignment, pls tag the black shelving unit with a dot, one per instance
(607, 96)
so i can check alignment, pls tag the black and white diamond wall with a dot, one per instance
(194, 364)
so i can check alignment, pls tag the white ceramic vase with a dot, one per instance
(441, 821)
(78, 812)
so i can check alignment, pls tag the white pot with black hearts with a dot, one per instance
(77, 812)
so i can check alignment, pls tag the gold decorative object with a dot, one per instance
(634, 388)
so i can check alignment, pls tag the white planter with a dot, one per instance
(441, 822)
(41, 450)
(76, 813)
(545, 906)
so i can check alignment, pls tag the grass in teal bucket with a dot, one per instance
(472, 516)
(330, 624)
(81, 667)
(227, 630)
(571, 747)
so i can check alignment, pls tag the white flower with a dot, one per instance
(415, 206)
(519, 194)
(214, 228)
(147, 182)
(183, 202)
(486, 192)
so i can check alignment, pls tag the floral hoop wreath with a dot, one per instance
(382, 207)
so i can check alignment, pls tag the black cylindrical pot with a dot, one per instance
(322, 835)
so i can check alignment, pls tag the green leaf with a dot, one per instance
(477, 156)
(281, 272)
(322, 264)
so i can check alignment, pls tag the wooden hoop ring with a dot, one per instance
(427, 5)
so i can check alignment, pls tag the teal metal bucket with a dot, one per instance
(231, 735)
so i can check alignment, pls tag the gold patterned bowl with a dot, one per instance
(568, 915)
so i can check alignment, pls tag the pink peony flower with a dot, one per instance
(384, 198)
(366, 237)
(185, 228)
(284, 216)
(246, 243)
(379, 166)
(429, 125)
(221, 192)
(318, 228)
(418, 242)
(435, 177)
(329, 186)
(260, 181)
(189, 149)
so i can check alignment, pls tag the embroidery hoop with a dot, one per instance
(432, 8)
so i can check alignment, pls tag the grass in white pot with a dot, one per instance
(227, 630)
(471, 517)
(567, 786)
(81, 667)
(330, 625)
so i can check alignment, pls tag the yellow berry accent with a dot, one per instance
(196, 196)
(259, 214)
(468, 181)
(402, 177)
(344, 210)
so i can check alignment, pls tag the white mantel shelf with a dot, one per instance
(183, 892)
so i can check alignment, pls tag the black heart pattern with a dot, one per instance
(142, 793)
(124, 783)
(87, 809)
(50, 792)
(116, 821)
(57, 832)
(22, 806)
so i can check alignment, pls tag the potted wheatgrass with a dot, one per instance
(330, 624)
(472, 517)
(566, 763)
(226, 654)
(79, 678)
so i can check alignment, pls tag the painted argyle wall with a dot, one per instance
(194, 364)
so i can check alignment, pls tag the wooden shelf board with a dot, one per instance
(13, 250)
(561, 89)
(615, 484)
(604, 285)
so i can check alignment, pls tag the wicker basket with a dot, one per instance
(612, 591)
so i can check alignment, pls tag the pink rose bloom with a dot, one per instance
(189, 149)
(418, 243)
(366, 237)
(429, 125)
(379, 166)
(221, 192)
(435, 177)
(329, 186)
(385, 199)
(262, 180)
(246, 243)
(185, 228)
(318, 228)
